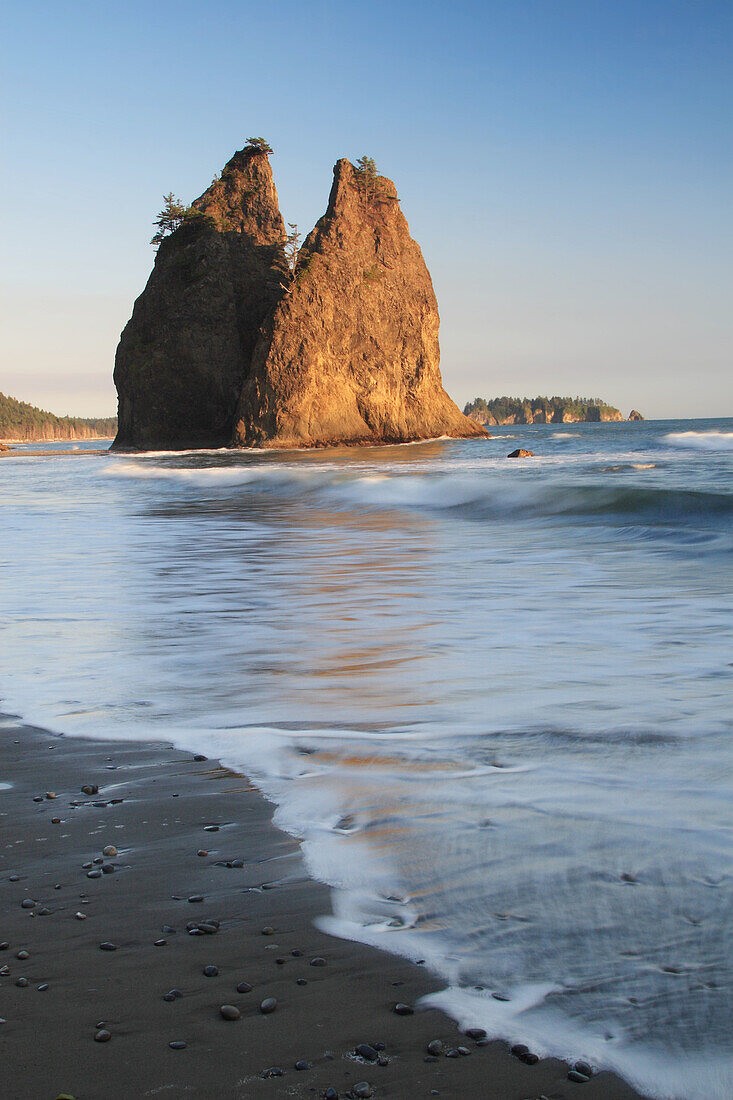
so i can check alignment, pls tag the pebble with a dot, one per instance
(4, 970)
(22, 982)
(94, 874)
(273, 1071)
(109, 850)
(199, 757)
(208, 928)
(202, 852)
(318, 961)
(453, 1053)
(330, 1094)
(90, 788)
(268, 930)
(229, 1012)
(177, 1044)
(169, 997)
(302, 1064)
(14, 878)
(296, 953)
(168, 929)
(211, 828)
(108, 869)
(435, 1047)
(23, 955)
(38, 798)
(463, 1051)
(27, 903)
(475, 1033)
(519, 1050)
(367, 1052)
(280, 962)
(403, 1010)
(42, 988)
(268, 1005)
(573, 1075)
(362, 1089)
(87, 865)
(99, 1024)
(196, 897)
(301, 981)
(102, 1036)
(107, 946)
(80, 916)
(55, 820)
(584, 1068)
(244, 987)
(211, 971)
(4, 945)
(50, 794)
(160, 943)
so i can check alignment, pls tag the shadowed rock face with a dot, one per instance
(351, 352)
(223, 348)
(185, 353)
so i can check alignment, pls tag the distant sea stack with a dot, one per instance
(228, 346)
(541, 410)
(634, 415)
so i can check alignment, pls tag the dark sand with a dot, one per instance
(47, 1045)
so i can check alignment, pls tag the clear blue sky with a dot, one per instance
(564, 164)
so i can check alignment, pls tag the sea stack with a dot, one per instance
(226, 346)
(351, 352)
(187, 349)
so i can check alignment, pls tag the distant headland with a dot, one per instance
(242, 338)
(543, 410)
(24, 423)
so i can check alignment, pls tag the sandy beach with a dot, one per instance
(195, 843)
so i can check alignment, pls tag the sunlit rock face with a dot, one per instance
(351, 353)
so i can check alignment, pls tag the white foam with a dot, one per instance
(701, 441)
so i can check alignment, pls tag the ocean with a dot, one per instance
(492, 697)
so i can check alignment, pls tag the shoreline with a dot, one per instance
(157, 805)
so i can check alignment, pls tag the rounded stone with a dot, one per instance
(301, 981)
(268, 1005)
(296, 953)
(435, 1047)
(177, 1044)
(27, 903)
(274, 1071)
(108, 869)
(463, 1051)
(109, 850)
(43, 987)
(318, 961)
(244, 987)
(362, 1089)
(330, 1094)
(4, 945)
(475, 1033)
(199, 757)
(211, 971)
(574, 1075)
(229, 1012)
(168, 997)
(80, 916)
(367, 1052)
(301, 1064)
(23, 955)
(22, 983)
(90, 788)
(38, 798)
(584, 1068)
(519, 1050)
(94, 874)
(102, 1036)
(202, 852)
(403, 1010)
(452, 1053)
(50, 794)
(268, 930)
(160, 943)
(107, 946)
(196, 897)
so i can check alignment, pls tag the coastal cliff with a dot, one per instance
(186, 351)
(24, 423)
(541, 410)
(228, 346)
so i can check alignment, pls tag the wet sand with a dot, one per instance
(154, 806)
